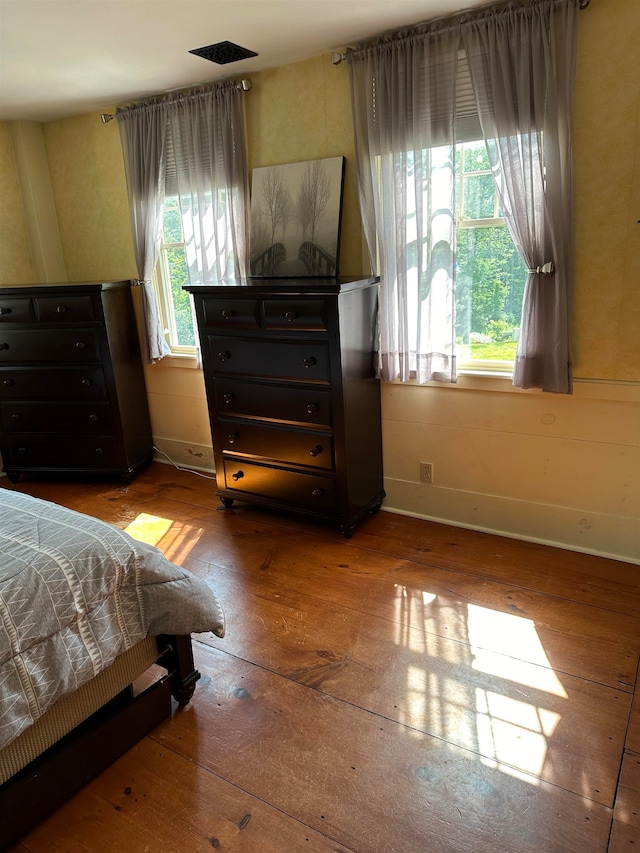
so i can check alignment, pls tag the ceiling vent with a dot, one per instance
(223, 52)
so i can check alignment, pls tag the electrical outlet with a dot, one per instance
(426, 472)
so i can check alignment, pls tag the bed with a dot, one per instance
(85, 611)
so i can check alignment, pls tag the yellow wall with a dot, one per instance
(552, 468)
(16, 265)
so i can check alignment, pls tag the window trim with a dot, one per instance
(479, 367)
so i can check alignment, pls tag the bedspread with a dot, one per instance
(75, 592)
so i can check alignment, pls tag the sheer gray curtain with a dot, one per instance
(192, 146)
(143, 133)
(522, 64)
(503, 73)
(403, 96)
(206, 169)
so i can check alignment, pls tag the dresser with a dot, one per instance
(72, 390)
(293, 402)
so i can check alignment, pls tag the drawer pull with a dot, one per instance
(86, 382)
(227, 398)
(7, 383)
(224, 356)
(309, 362)
(317, 493)
(290, 316)
(232, 437)
(316, 451)
(237, 476)
(80, 345)
(61, 309)
(16, 417)
(93, 418)
(227, 314)
(98, 451)
(22, 450)
(4, 346)
(311, 408)
(5, 310)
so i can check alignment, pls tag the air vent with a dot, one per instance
(223, 52)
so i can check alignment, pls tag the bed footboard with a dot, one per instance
(178, 659)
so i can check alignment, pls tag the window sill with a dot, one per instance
(182, 360)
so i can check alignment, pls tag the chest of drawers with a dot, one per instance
(72, 391)
(293, 402)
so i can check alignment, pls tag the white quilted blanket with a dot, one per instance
(75, 593)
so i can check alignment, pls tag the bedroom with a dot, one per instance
(543, 468)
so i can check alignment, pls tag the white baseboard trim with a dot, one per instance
(599, 534)
(193, 457)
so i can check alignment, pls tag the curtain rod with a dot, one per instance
(338, 57)
(244, 85)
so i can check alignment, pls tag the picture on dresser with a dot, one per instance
(296, 214)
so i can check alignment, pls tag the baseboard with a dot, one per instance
(194, 457)
(599, 534)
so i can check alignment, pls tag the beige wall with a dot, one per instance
(16, 264)
(552, 468)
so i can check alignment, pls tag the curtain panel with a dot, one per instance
(522, 64)
(191, 145)
(143, 133)
(403, 99)
(411, 105)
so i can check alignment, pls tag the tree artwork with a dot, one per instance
(295, 218)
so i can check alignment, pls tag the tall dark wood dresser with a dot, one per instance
(72, 390)
(293, 402)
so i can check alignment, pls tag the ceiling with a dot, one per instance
(60, 58)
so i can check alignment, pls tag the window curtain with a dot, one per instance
(404, 99)
(206, 169)
(522, 64)
(410, 99)
(143, 132)
(189, 145)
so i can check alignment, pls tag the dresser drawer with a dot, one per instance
(56, 417)
(273, 359)
(231, 313)
(48, 345)
(15, 310)
(308, 491)
(60, 451)
(310, 315)
(273, 402)
(296, 447)
(65, 309)
(52, 383)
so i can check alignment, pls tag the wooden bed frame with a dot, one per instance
(44, 784)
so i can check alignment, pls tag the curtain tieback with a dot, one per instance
(136, 282)
(545, 269)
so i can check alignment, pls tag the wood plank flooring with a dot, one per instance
(414, 688)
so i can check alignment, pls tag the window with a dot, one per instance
(171, 274)
(490, 274)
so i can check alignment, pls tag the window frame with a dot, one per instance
(468, 365)
(164, 296)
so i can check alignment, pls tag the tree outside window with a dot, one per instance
(490, 274)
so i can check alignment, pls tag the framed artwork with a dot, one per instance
(296, 212)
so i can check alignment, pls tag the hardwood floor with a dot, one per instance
(414, 688)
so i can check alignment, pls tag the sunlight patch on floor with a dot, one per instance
(174, 539)
(497, 694)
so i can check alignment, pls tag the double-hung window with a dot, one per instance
(203, 223)
(454, 292)
(490, 275)
(171, 274)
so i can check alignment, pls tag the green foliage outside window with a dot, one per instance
(176, 267)
(490, 274)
